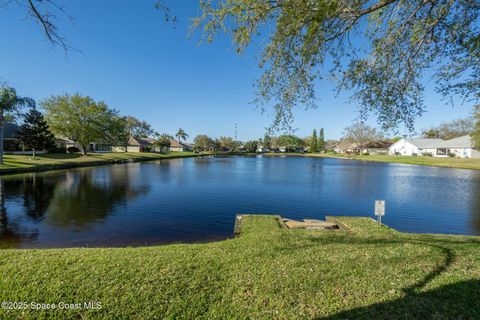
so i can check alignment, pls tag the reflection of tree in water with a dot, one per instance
(90, 195)
(10, 237)
(37, 192)
(475, 211)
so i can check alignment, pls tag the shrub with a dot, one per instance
(72, 150)
(56, 150)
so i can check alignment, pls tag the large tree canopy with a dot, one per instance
(80, 118)
(379, 49)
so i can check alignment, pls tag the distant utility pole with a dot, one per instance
(235, 131)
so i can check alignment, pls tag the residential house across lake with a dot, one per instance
(413, 147)
(461, 147)
(179, 146)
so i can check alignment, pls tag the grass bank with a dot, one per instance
(43, 162)
(367, 272)
(424, 161)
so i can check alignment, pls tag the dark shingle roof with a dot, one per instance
(10, 130)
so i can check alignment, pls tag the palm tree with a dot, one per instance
(10, 102)
(181, 135)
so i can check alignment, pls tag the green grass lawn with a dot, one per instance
(19, 163)
(426, 161)
(367, 272)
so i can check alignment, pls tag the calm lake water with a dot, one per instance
(196, 199)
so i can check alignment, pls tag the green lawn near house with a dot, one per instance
(365, 272)
(426, 161)
(51, 161)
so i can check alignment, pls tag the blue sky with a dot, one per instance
(142, 66)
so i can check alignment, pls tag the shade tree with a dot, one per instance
(10, 104)
(361, 135)
(79, 118)
(34, 133)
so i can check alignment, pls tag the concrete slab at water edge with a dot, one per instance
(310, 224)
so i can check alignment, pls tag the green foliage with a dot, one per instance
(138, 128)
(321, 140)
(203, 143)
(290, 142)
(476, 133)
(227, 144)
(181, 135)
(450, 130)
(267, 142)
(163, 141)
(116, 131)
(314, 142)
(34, 133)
(397, 42)
(79, 118)
(10, 102)
(251, 146)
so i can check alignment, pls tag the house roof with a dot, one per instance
(10, 130)
(423, 142)
(460, 142)
(134, 141)
(175, 144)
(379, 145)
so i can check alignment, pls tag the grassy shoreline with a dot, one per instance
(424, 161)
(45, 162)
(366, 272)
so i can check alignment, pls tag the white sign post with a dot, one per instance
(379, 210)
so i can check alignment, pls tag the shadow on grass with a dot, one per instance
(460, 300)
(59, 156)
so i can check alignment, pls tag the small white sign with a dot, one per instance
(379, 207)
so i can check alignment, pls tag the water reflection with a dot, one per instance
(73, 199)
(11, 235)
(83, 198)
(196, 199)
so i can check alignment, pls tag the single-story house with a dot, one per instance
(11, 145)
(413, 147)
(291, 149)
(344, 146)
(262, 149)
(10, 141)
(137, 145)
(375, 147)
(461, 147)
(92, 146)
(178, 146)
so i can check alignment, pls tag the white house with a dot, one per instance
(413, 147)
(461, 147)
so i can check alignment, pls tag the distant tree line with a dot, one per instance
(78, 118)
(452, 129)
